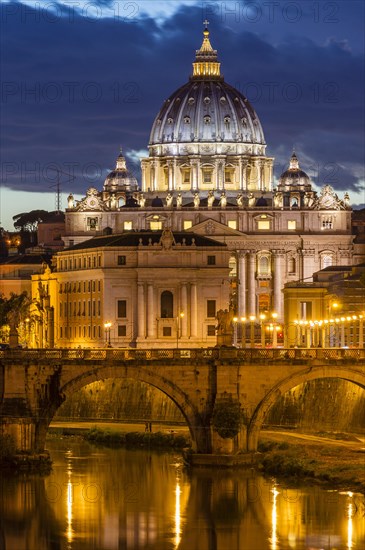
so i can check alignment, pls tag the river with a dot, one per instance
(107, 499)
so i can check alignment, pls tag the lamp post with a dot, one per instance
(234, 321)
(107, 327)
(252, 331)
(262, 327)
(178, 328)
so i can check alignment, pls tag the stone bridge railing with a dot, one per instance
(247, 355)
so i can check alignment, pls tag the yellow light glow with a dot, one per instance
(177, 515)
(349, 522)
(274, 521)
(252, 318)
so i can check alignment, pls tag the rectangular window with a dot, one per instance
(292, 224)
(211, 308)
(211, 260)
(207, 175)
(92, 224)
(122, 330)
(128, 226)
(61, 332)
(166, 331)
(122, 260)
(155, 225)
(186, 175)
(187, 224)
(263, 224)
(211, 330)
(232, 224)
(306, 310)
(122, 308)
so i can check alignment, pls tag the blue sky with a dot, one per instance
(79, 79)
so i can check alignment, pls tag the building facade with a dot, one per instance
(207, 174)
(148, 289)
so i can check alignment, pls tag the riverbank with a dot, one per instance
(339, 466)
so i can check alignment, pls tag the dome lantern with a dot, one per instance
(206, 63)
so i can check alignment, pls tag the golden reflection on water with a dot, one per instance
(177, 515)
(274, 521)
(350, 512)
(137, 500)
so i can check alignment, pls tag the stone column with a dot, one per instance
(184, 310)
(141, 312)
(170, 174)
(151, 322)
(243, 186)
(278, 282)
(242, 282)
(251, 284)
(194, 310)
(194, 174)
(154, 171)
(144, 182)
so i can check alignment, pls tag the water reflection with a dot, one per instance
(105, 499)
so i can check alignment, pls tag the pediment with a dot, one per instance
(213, 228)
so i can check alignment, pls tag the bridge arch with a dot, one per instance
(350, 374)
(69, 384)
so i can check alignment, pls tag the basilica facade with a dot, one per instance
(208, 174)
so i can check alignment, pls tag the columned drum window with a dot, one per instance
(167, 304)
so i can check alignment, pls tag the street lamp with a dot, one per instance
(262, 326)
(107, 327)
(178, 327)
(252, 331)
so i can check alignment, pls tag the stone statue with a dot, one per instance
(278, 200)
(224, 327)
(251, 200)
(239, 200)
(196, 200)
(179, 201)
(169, 199)
(346, 200)
(70, 201)
(113, 202)
(141, 200)
(223, 200)
(210, 199)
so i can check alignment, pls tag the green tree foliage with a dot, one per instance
(227, 418)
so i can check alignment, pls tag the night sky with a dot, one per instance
(79, 79)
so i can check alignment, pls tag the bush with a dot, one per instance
(227, 418)
(136, 439)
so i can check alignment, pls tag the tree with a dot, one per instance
(28, 221)
(13, 309)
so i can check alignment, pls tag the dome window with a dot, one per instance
(227, 120)
(207, 119)
(187, 119)
(223, 100)
(159, 121)
(170, 120)
(244, 121)
(207, 100)
(191, 101)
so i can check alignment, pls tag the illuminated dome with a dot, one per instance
(207, 109)
(120, 179)
(206, 137)
(294, 177)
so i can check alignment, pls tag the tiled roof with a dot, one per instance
(144, 238)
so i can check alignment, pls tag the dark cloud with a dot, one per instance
(74, 89)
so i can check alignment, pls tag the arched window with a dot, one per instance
(167, 304)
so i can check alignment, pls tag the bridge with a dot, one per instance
(35, 382)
